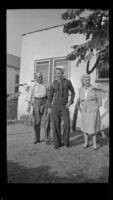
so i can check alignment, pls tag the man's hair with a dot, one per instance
(59, 69)
(38, 74)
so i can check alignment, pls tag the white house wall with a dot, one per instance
(49, 44)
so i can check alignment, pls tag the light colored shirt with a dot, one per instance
(37, 90)
(86, 92)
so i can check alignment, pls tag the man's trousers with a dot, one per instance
(38, 110)
(41, 117)
(58, 112)
(47, 125)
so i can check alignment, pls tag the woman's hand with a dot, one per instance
(29, 108)
(68, 105)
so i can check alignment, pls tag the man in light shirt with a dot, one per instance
(37, 98)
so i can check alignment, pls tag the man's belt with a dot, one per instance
(40, 98)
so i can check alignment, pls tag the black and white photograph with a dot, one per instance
(57, 95)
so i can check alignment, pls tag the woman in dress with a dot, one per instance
(90, 101)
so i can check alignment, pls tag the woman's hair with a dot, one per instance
(85, 76)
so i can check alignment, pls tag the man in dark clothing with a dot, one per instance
(60, 107)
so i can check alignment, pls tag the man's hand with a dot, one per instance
(68, 105)
(29, 108)
(49, 110)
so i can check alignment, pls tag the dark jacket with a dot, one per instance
(60, 92)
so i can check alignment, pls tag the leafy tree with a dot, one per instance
(95, 28)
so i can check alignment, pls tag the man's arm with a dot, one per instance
(72, 95)
(98, 93)
(29, 98)
(72, 92)
(99, 98)
(50, 96)
(30, 94)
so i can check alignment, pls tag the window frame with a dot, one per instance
(41, 61)
(60, 58)
(100, 79)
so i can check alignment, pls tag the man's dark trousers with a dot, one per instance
(58, 111)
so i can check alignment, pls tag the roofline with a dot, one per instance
(44, 29)
(14, 67)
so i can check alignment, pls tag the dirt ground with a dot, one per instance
(40, 163)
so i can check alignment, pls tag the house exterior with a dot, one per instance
(13, 70)
(45, 49)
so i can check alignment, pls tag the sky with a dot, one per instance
(20, 21)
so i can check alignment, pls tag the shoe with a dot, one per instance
(35, 142)
(62, 144)
(103, 136)
(95, 148)
(56, 147)
(86, 145)
(48, 142)
(67, 146)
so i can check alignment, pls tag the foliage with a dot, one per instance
(95, 28)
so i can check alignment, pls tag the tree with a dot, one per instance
(95, 28)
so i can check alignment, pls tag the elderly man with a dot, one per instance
(37, 98)
(60, 107)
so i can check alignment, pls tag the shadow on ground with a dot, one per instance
(42, 174)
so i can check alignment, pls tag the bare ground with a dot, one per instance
(40, 163)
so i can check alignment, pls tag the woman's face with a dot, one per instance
(86, 82)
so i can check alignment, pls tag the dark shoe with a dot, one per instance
(85, 146)
(48, 142)
(62, 144)
(67, 146)
(35, 142)
(56, 147)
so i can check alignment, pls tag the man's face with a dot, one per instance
(39, 79)
(59, 74)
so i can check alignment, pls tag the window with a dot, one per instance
(47, 67)
(16, 83)
(43, 66)
(103, 72)
(62, 62)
